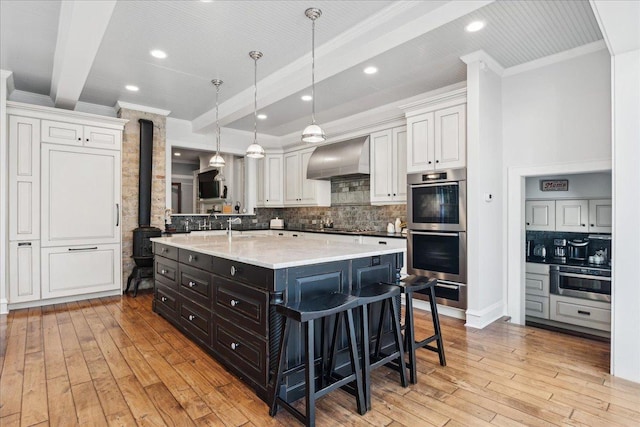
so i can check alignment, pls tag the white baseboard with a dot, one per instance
(480, 318)
(4, 306)
(42, 302)
(442, 309)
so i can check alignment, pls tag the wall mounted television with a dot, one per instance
(208, 187)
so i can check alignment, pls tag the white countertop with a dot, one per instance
(274, 251)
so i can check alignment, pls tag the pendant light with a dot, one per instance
(313, 133)
(255, 151)
(217, 161)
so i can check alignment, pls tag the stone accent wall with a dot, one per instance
(130, 182)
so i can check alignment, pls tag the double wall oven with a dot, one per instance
(437, 239)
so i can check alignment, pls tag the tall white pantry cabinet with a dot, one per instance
(64, 205)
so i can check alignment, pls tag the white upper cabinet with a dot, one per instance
(80, 195)
(273, 181)
(24, 178)
(298, 190)
(572, 215)
(76, 134)
(600, 218)
(540, 215)
(437, 139)
(388, 151)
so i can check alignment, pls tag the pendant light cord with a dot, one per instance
(217, 122)
(313, 71)
(255, 99)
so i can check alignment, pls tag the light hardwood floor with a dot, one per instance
(112, 361)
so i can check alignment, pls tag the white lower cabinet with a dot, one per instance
(79, 270)
(581, 312)
(537, 290)
(24, 271)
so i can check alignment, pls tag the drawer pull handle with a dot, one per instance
(163, 250)
(192, 284)
(234, 270)
(83, 249)
(193, 258)
(234, 302)
(382, 243)
(163, 299)
(586, 313)
(163, 271)
(234, 345)
(191, 317)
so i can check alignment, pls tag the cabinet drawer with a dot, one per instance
(259, 277)
(537, 284)
(166, 302)
(590, 314)
(196, 284)
(242, 305)
(165, 251)
(195, 259)
(196, 321)
(537, 306)
(243, 350)
(61, 133)
(166, 271)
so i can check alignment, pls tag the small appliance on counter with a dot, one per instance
(540, 251)
(578, 249)
(276, 224)
(560, 250)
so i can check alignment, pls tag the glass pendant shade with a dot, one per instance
(255, 150)
(313, 133)
(217, 161)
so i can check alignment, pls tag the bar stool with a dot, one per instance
(305, 312)
(409, 287)
(367, 295)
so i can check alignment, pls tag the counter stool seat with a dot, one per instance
(305, 312)
(386, 294)
(409, 287)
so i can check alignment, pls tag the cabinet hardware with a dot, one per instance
(163, 271)
(163, 250)
(234, 345)
(586, 313)
(593, 225)
(83, 249)
(437, 161)
(163, 299)
(582, 225)
(280, 234)
(528, 223)
(117, 214)
(382, 243)
(429, 161)
(234, 302)
(394, 194)
(191, 317)
(234, 270)
(192, 284)
(388, 194)
(24, 244)
(87, 139)
(193, 258)
(79, 139)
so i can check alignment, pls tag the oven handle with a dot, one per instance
(429, 233)
(435, 184)
(584, 276)
(443, 285)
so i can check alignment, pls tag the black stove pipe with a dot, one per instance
(146, 158)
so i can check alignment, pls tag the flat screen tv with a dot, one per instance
(208, 187)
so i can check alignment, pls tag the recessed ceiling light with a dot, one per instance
(157, 53)
(474, 26)
(306, 97)
(370, 70)
(262, 116)
(177, 154)
(132, 88)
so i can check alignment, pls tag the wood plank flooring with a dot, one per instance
(112, 361)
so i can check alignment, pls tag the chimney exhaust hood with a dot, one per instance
(350, 157)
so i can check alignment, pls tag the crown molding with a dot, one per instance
(137, 107)
(80, 117)
(417, 106)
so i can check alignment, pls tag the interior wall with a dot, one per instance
(581, 186)
(4, 174)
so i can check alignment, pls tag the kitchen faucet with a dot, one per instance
(230, 221)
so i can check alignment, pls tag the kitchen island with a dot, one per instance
(220, 292)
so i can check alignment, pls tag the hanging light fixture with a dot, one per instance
(217, 161)
(313, 132)
(255, 151)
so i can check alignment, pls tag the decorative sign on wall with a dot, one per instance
(554, 185)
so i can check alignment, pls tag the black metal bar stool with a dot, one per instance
(305, 312)
(409, 287)
(368, 295)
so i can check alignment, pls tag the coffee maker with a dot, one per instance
(560, 250)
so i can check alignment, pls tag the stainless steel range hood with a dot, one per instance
(350, 157)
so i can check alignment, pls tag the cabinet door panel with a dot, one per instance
(80, 196)
(420, 147)
(572, 215)
(97, 137)
(24, 271)
(540, 215)
(450, 137)
(291, 179)
(537, 306)
(62, 133)
(80, 270)
(308, 186)
(274, 181)
(381, 166)
(399, 161)
(600, 216)
(24, 178)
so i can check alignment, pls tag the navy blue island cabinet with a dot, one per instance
(227, 307)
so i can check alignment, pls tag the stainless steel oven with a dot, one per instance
(442, 255)
(580, 282)
(437, 200)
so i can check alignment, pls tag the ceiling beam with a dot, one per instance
(81, 27)
(371, 37)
